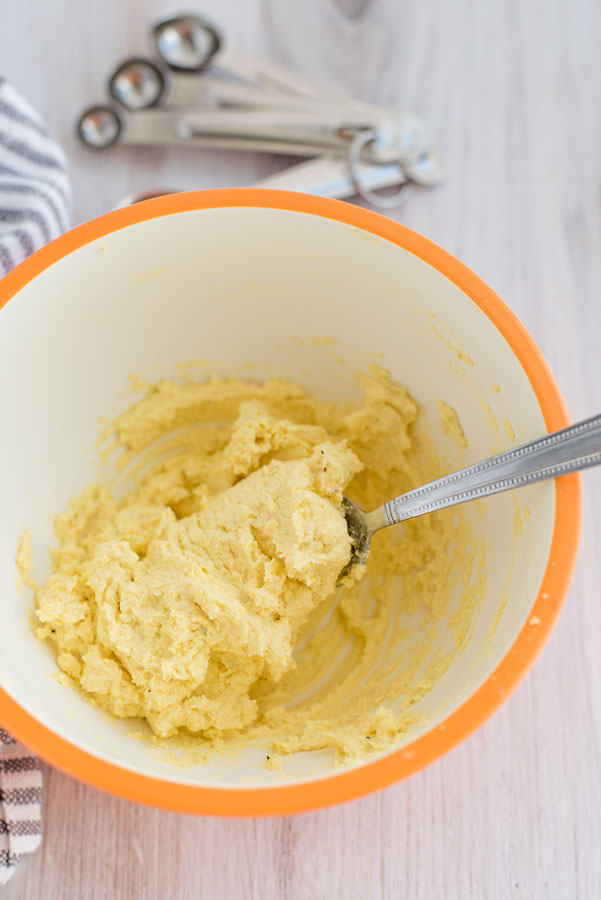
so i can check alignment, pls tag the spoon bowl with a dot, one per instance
(99, 127)
(137, 84)
(186, 43)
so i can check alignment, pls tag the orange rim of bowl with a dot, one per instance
(397, 764)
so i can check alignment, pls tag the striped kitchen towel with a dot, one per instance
(20, 804)
(35, 196)
(35, 206)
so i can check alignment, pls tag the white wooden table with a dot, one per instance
(512, 92)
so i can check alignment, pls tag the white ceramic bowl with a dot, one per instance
(231, 276)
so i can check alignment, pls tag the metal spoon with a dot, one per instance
(558, 453)
(189, 43)
(139, 83)
(396, 140)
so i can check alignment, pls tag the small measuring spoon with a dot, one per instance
(326, 176)
(188, 43)
(555, 454)
(100, 127)
(297, 133)
(139, 83)
(329, 176)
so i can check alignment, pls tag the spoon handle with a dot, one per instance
(558, 453)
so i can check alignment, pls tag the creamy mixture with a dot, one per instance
(204, 600)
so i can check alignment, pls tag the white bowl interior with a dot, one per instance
(237, 286)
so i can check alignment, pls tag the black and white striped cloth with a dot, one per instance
(35, 196)
(35, 207)
(20, 804)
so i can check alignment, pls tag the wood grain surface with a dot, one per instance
(512, 93)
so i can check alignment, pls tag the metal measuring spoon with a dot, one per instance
(568, 450)
(100, 127)
(188, 43)
(139, 83)
(328, 176)
(294, 132)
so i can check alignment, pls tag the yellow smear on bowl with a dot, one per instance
(451, 424)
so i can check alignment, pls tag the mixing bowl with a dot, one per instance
(238, 277)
